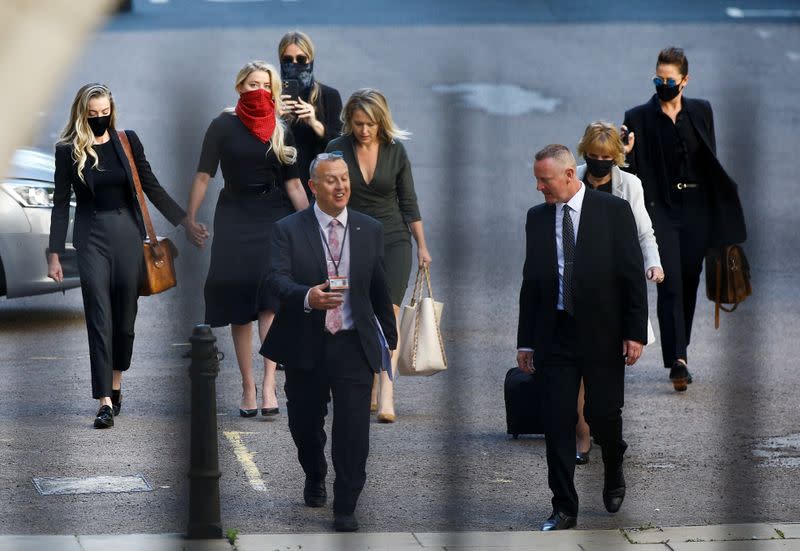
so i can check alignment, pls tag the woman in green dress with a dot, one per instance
(382, 187)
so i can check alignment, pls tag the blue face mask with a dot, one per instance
(302, 72)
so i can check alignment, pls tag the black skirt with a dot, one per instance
(234, 292)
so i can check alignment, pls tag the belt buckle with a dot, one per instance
(681, 185)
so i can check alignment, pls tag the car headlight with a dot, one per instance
(31, 194)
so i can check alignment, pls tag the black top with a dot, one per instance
(249, 165)
(685, 160)
(111, 184)
(328, 109)
(390, 196)
(603, 187)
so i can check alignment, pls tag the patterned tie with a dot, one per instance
(333, 318)
(568, 245)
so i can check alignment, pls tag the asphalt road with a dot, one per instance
(728, 450)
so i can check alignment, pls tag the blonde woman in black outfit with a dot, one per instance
(314, 117)
(258, 160)
(107, 235)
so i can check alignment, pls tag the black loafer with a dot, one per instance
(314, 493)
(582, 458)
(105, 418)
(116, 401)
(614, 488)
(679, 375)
(345, 522)
(559, 521)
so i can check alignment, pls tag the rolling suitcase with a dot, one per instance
(524, 403)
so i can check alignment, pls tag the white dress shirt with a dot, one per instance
(344, 261)
(575, 205)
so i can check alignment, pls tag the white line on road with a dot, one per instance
(245, 458)
(739, 13)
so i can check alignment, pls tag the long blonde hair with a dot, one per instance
(302, 41)
(374, 104)
(287, 154)
(77, 133)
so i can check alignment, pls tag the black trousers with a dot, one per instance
(109, 265)
(561, 375)
(344, 373)
(682, 233)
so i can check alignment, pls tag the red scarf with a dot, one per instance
(256, 110)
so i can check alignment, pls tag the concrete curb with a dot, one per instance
(726, 537)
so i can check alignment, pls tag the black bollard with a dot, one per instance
(204, 511)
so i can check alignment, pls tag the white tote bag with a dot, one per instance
(421, 345)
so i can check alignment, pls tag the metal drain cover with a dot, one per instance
(64, 485)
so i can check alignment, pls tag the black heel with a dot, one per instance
(269, 412)
(116, 401)
(249, 412)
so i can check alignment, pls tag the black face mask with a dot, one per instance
(99, 125)
(667, 93)
(302, 72)
(598, 168)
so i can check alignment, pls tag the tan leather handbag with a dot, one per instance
(159, 255)
(727, 278)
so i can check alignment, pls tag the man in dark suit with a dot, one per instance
(326, 266)
(582, 313)
(692, 201)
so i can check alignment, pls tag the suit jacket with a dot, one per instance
(646, 160)
(627, 186)
(297, 263)
(608, 283)
(66, 180)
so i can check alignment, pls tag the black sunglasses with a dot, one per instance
(300, 60)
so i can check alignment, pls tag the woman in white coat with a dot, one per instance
(602, 149)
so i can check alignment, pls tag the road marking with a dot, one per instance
(62, 485)
(738, 13)
(245, 458)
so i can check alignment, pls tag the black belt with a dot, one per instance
(249, 192)
(341, 333)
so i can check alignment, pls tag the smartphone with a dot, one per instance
(291, 87)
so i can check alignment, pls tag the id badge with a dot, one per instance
(338, 283)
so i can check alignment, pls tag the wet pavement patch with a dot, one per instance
(507, 100)
(65, 485)
(780, 451)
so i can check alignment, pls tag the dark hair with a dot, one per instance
(674, 56)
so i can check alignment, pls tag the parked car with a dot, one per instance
(26, 199)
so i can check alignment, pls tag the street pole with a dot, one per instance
(204, 473)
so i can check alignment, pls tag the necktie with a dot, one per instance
(333, 318)
(568, 246)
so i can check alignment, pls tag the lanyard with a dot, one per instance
(328, 247)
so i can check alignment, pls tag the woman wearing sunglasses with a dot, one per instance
(314, 114)
(258, 160)
(693, 203)
(381, 186)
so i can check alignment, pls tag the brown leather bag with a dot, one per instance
(727, 278)
(159, 264)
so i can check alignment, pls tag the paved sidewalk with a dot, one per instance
(731, 537)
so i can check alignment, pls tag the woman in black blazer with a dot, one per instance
(108, 234)
(314, 115)
(693, 203)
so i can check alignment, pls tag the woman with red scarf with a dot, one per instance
(258, 160)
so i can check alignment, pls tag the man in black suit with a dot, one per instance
(582, 313)
(692, 201)
(326, 265)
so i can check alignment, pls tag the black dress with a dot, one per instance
(253, 199)
(328, 109)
